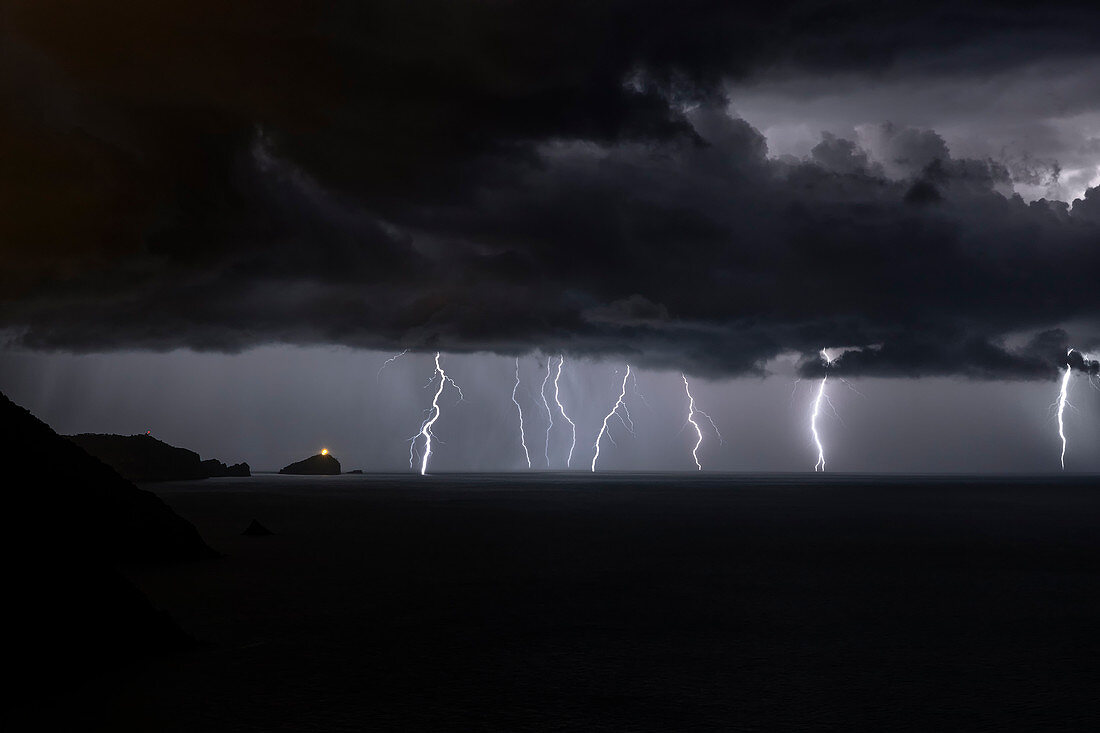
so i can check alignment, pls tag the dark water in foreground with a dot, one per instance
(629, 602)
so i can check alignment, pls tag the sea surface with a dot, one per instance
(627, 602)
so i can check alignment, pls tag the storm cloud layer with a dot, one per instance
(511, 177)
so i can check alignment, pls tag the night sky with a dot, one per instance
(218, 221)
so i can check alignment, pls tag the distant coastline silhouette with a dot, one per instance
(144, 458)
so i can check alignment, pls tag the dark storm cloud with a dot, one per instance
(972, 357)
(1082, 362)
(518, 176)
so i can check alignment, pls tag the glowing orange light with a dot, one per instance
(324, 451)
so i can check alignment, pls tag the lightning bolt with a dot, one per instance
(557, 399)
(614, 411)
(453, 383)
(820, 465)
(522, 437)
(1061, 411)
(691, 419)
(717, 432)
(1061, 403)
(389, 361)
(433, 415)
(549, 414)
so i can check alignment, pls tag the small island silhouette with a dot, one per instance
(322, 464)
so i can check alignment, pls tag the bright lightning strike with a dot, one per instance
(522, 437)
(557, 399)
(820, 465)
(426, 426)
(549, 414)
(1061, 411)
(1062, 402)
(691, 419)
(614, 411)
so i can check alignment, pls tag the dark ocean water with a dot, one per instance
(629, 602)
(637, 480)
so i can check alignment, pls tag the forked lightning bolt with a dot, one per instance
(614, 411)
(557, 399)
(692, 411)
(549, 414)
(433, 415)
(691, 419)
(1061, 412)
(820, 465)
(522, 437)
(1063, 402)
(1061, 405)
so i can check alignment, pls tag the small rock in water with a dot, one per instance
(257, 530)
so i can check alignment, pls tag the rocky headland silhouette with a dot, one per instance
(145, 458)
(73, 521)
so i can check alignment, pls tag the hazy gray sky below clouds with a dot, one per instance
(272, 405)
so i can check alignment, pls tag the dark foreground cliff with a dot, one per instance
(69, 521)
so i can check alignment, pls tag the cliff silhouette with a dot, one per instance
(144, 458)
(71, 521)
